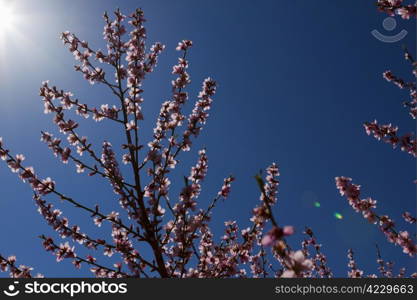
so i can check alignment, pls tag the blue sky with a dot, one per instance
(296, 80)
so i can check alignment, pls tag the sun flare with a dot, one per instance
(7, 17)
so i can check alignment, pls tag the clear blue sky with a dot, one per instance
(296, 80)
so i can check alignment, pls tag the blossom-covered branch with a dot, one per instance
(397, 7)
(9, 264)
(366, 207)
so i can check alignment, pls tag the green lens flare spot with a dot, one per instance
(317, 204)
(338, 216)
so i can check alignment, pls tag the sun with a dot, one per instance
(7, 17)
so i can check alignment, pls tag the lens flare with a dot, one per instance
(338, 216)
(6, 16)
(317, 204)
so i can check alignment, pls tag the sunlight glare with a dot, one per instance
(7, 17)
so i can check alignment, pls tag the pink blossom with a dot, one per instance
(276, 234)
(184, 45)
(296, 264)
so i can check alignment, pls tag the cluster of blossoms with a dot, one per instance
(9, 265)
(122, 244)
(388, 134)
(354, 271)
(402, 84)
(366, 207)
(185, 237)
(397, 7)
(27, 174)
(409, 218)
(319, 260)
(386, 268)
(268, 198)
(407, 143)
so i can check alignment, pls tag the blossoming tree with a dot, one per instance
(389, 134)
(174, 227)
